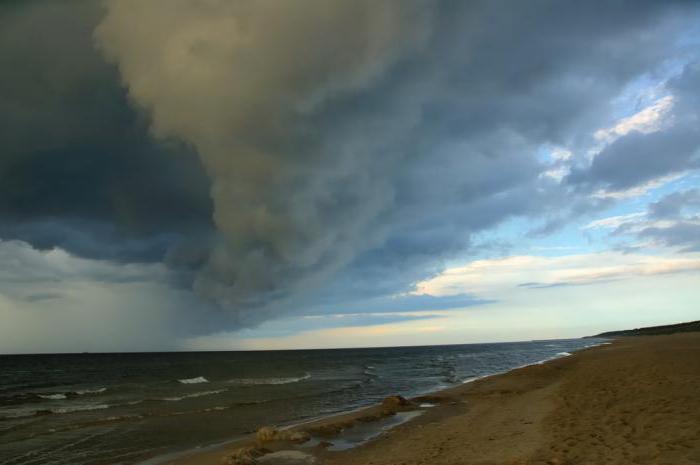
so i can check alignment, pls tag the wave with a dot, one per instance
(83, 392)
(259, 381)
(31, 397)
(53, 396)
(194, 394)
(563, 354)
(78, 408)
(197, 380)
(54, 411)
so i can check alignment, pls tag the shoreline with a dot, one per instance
(634, 401)
(344, 421)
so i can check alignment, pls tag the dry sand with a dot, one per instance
(636, 401)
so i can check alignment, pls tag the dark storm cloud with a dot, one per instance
(486, 102)
(40, 296)
(78, 168)
(349, 147)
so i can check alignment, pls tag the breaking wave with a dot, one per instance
(30, 397)
(53, 411)
(259, 381)
(83, 392)
(78, 408)
(194, 394)
(369, 371)
(197, 380)
(53, 396)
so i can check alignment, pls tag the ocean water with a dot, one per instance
(99, 409)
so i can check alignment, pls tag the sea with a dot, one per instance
(135, 408)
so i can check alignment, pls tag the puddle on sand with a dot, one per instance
(287, 457)
(363, 432)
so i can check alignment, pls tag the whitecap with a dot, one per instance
(563, 354)
(218, 408)
(197, 380)
(53, 396)
(256, 381)
(57, 410)
(369, 371)
(194, 394)
(79, 408)
(90, 391)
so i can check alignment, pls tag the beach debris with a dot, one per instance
(332, 429)
(244, 456)
(270, 433)
(395, 402)
(266, 434)
(392, 404)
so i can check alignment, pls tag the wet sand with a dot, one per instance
(636, 401)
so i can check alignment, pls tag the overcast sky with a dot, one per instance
(189, 174)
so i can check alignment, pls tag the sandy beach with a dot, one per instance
(635, 401)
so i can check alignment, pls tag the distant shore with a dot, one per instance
(633, 401)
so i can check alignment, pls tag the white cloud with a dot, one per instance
(613, 222)
(558, 173)
(648, 120)
(496, 278)
(635, 223)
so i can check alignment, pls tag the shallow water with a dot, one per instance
(364, 432)
(90, 409)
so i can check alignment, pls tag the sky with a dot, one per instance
(218, 175)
